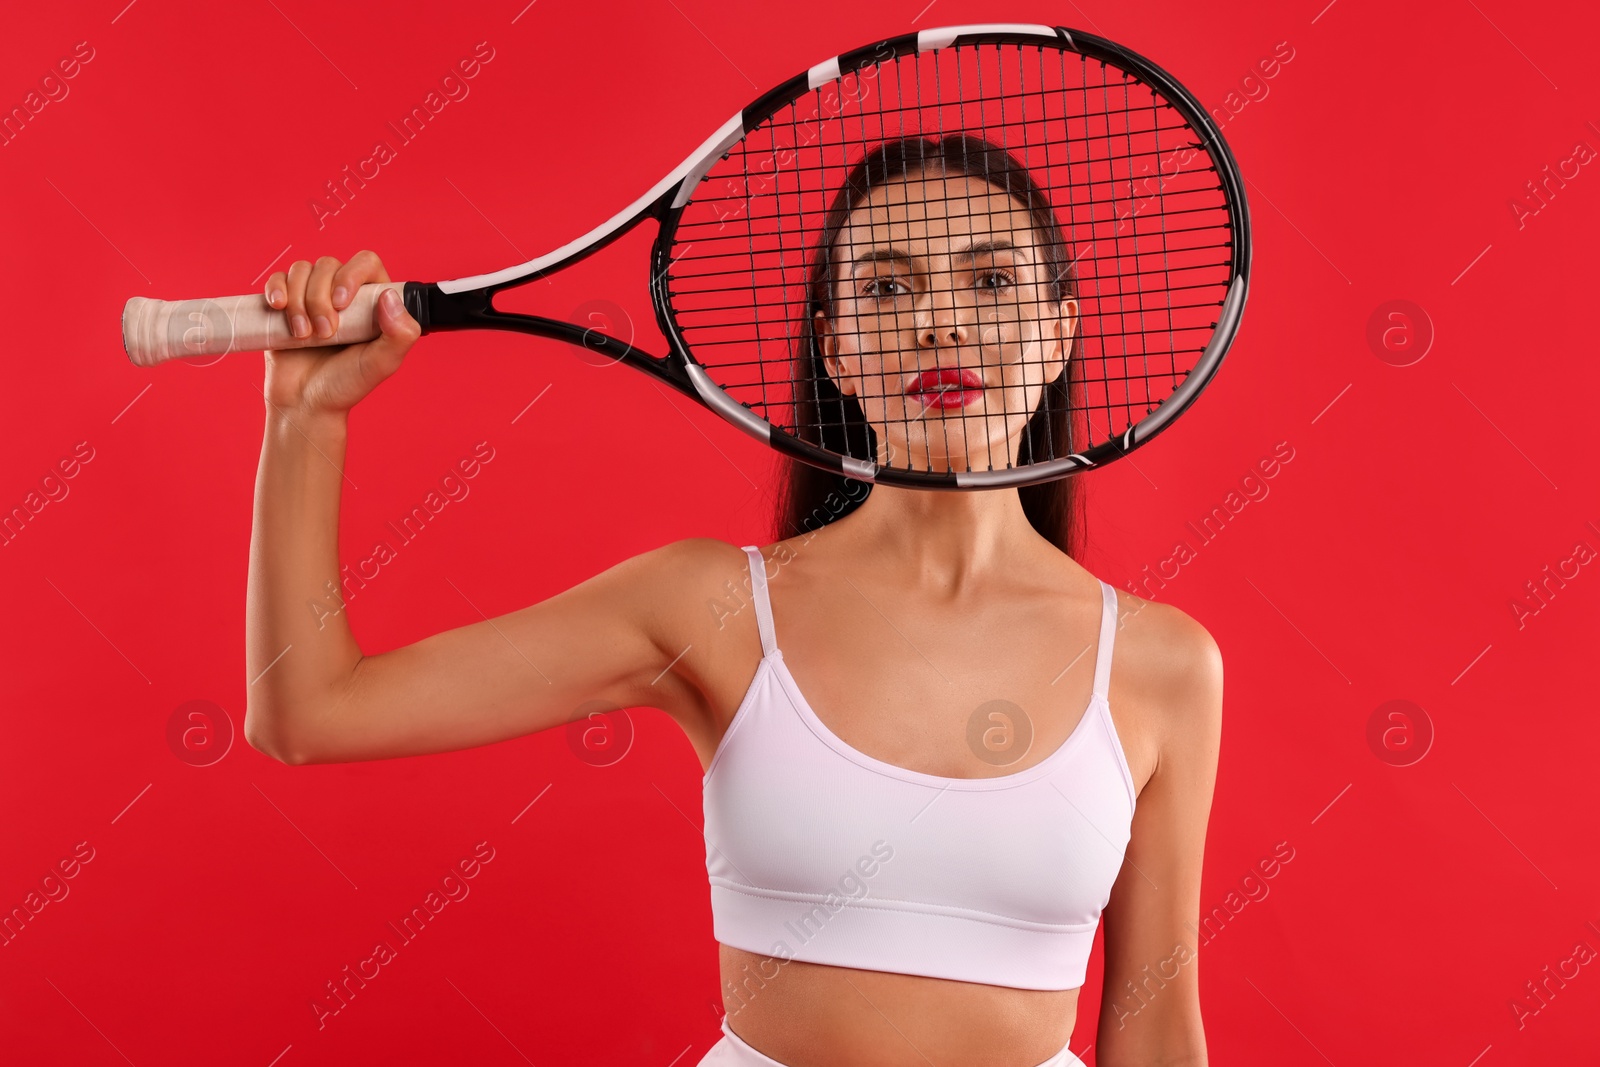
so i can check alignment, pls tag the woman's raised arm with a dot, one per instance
(313, 697)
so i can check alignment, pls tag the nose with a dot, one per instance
(944, 322)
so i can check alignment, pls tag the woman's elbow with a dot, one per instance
(269, 738)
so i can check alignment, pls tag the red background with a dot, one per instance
(1381, 566)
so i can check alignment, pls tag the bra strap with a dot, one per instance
(1108, 631)
(758, 593)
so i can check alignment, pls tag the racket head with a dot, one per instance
(906, 155)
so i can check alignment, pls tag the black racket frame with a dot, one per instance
(436, 310)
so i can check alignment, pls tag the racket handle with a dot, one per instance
(154, 331)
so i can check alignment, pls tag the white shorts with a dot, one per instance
(731, 1051)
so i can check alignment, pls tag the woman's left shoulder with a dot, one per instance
(1175, 663)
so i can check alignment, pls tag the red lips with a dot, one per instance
(946, 387)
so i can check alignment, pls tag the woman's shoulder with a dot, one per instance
(1173, 664)
(1176, 635)
(692, 570)
(696, 553)
(1175, 644)
(691, 560)
(684, 587)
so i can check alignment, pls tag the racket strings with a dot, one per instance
(930, 151)
(745, 273)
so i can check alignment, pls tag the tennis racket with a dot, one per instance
(965, 258)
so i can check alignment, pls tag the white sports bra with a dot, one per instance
(819, 852)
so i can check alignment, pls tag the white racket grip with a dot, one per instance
(154, 331)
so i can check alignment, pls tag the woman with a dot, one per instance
(919, 803)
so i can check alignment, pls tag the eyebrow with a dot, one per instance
(972, 251)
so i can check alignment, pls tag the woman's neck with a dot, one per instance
(946, 538)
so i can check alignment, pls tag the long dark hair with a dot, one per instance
(810, 497)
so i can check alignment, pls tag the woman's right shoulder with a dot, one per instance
(690, 569)
(689, 593)
(689, 555)
(688, 583)
(694, 554)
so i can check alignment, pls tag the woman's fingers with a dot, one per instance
(363, 267)
(295, 298)
(315, 375)
(319, 297)
(382, 356)
(313, 294)
(399, 328)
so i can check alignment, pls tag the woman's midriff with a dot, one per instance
(813, 1015)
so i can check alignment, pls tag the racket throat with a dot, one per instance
(435, 309)
(473, 309)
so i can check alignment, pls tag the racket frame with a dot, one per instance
(468, 303)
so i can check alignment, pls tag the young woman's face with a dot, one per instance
(944, 327)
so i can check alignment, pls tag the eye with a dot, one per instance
(885, 288)
(995, 279)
